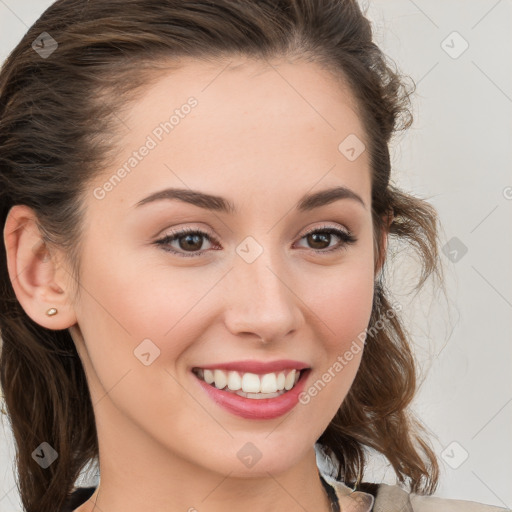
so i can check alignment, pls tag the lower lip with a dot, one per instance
(256, 409)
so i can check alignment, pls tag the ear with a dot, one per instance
(39, 282)
(382, 244)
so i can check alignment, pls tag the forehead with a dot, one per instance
(236, 122)
(248, 92)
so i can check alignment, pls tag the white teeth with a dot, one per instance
(280, 381)
(220, 379)
(289, 381)
(268, 383)
(234, 381)
(259, 396)
(251, 385)
(208, 376)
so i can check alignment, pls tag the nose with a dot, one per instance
(261, 301)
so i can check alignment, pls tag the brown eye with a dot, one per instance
(189, 241)
(319, 239)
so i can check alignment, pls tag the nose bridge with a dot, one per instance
(262, 301)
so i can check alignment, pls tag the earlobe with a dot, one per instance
(39, 285)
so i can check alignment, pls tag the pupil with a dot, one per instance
(192, 242)
(319, 237)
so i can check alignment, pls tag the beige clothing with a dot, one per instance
(391, 498)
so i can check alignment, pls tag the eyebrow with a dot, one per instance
(220, 204)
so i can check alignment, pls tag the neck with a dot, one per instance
(148, 477)
(203, 494)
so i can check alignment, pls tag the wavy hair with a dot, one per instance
(57, 131)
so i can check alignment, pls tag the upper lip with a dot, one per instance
(253, 366)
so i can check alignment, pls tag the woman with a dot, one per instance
(196, 204)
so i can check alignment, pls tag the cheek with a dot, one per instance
(129, 300)
(343, 306)
(344, 300)
(346, 312)
(134, 321)
(132, 314)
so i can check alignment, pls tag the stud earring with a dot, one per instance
(52, 311)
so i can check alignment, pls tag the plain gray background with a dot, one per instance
(457, 155)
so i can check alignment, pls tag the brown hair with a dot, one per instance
(54, 114)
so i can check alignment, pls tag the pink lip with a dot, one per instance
(258, 367)
(264, 409)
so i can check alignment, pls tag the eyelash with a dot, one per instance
(346, 238)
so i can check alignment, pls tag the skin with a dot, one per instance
(261, 136)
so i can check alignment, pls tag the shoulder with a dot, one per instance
(433, 504)
(389, 498)
(387, 493)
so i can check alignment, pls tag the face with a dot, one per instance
(254, 281)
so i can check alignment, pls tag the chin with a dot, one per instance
(262, 455)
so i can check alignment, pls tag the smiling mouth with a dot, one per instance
(251, 385)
